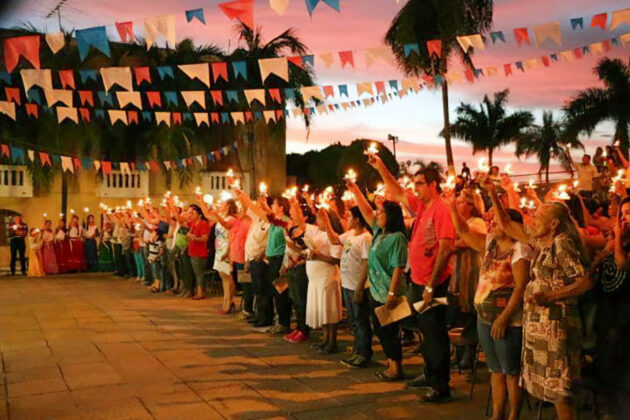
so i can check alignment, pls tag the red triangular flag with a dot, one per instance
(279, 114)
(13, 95)
(599, 20)
(142, 74)
(328, 91)
(32, 109)
(5, 150)
(177, 118)
(45, 159)
(508, 69)
(346, 57)
(214, 117)
(125, 31)
(106, 167)
(521, 35)
(470, 76)
(77, 162)
(607, 46)
(545, 60)
(297, 60)
(435, 47)
(155, 167)
(217, 155)
(248, 116)
(154, 99)
(85, 114)
(275, 95)
(380, 87)
(219, 69)
(21, 46)
(217, 97)
(86, 96)
(242, 10)
(577, 52)
(67, 79)
(428, 79)
(132, 117)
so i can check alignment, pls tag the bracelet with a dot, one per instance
(391, 293)
(428, 289)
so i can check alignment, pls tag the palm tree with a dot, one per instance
(267, 149)
(611, 102)
(489, 127)
(420, 21)
(547, 142)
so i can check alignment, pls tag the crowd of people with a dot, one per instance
(537, 277)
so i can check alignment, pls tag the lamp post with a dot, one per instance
(394, 140)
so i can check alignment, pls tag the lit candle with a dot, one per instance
(351, 175)
(45, 215)
(167, 194)
(176, 198)
(531, 204)
(576, 183)
(129, 204)
(305, 188)
(531, 184)
(60, 214)
(86, 209)
(36, 230)
(523, 202)
(147, 200)
(208, 199)
(372, 150)
(516, 188)
(262, 188)
(616, 143)
(450, 182)
(347, 196)
(140, 203)
(72, 211)
(236, 184)
(198, 190)
(230, 173)
(508, 169)
(482, 165)
(225, 196)
(380, 190)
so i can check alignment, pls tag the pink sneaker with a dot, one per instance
(298, 338)
(289, 336)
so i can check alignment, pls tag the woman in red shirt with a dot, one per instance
(197, 247)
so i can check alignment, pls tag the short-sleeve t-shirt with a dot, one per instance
(275, 242)
(238, 235)
(316, 239)
(356, 249)
(197, 248)
(257, 235)
(432, 225)
(388, 252)
(585, 175)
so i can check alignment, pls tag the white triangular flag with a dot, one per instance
(34, 77)
(201, 117)
(164, 25)
(191, 96)
(197, 71)
(69, 113)
(118, 75)
(133, 98)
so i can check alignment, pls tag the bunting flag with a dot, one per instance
(58, 95)
(117, 75)
(117, 115)
(232, 96)
(41, 78)
(67, 112)
(124, 168)
(164, 71)
(86, 97)
(240, 68)
(32, 110)
(92, 37)
(55, 41)
(201, 118)
(163, 117)
(311, 4)
(407, 49)
(435, 47)
(278, 66)
(125, 31)
(132, 117)
(279, 6)
(8, 108)
(126, 98)
(13, 95)
(217, 97)
(364, 87)
(471, 41)
(44, 158)
(238, 117)
(66, 77)
(242, 10)
(87, 75)
(195, 14)
(106, 166)
(619, 17)
(142, 74)
(346, 57)
(154, 99)
(625, 38)
(200, 72)
(194, 96)
(311, 92)
(21, 46)
(160, 25)
(575, 22)
(171, 98)
(219, 69)
(255, 94)
(66, 164)
(548, 31)
(327, 59)
(599, 20)
(84, 113)
(521, 35)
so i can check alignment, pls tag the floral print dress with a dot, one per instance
(551, 334)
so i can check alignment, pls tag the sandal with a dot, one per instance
(386, 378)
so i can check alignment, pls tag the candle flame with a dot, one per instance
(482, 165)
(208, 199)
(508, 169)
(351, 175)
(372, 150)
(262, 188)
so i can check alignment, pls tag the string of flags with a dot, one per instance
(73, 164)
(28, 46)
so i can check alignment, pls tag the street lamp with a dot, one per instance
(394, 140)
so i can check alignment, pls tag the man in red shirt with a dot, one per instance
(430, 245)
(198, 247)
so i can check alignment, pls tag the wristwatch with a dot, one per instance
(429, 289)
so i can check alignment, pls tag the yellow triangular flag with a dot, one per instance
(117, 115)
(364, 87)
(321, 109)
(163, 117)
(370, 57)
(491, 71)
(278, 66)
(327, 58)
(252, 94)
(279, 6)
(532, 63)
(8, 108)
(34, 77)
(548, 31)
(191, 96)
(164, 25)
(238, 117)
(117, 75)
(124, 168)
(567, 55)
(269, 115)
(625, 38)
(201, 118)
(619, 17)
(58, 95)
(309, 92)
(133, 98)
(297, 112)
(55, 41)
(468, 41)
(69, 113)
(410, 83)
(597, 47)
(197, 71)
(66, 164)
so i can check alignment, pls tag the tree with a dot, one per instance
(591, 106)
(489, 127)
(547, 142)
(420, 21)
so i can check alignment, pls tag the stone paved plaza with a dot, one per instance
(93, 346)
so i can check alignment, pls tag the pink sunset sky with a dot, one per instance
(417, 118)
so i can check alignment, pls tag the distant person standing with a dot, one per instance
(18, 233)
(465, 171)
(586, 174)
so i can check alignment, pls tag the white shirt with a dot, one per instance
(74, 232)
(317, 240)
(256, 241)
(356, 249)
(585, 174)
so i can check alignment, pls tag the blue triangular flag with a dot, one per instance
(86, 163)
(478, 72)
(232, 96)
(615, 41)
(225, 118)
(146, 116)
(164, 71)
(408, 48)
(308, 59)
(438, 79)
(92, 37)
(188, 116)
(393, 84)
(105, 98)
(310, 6)
(585, 49)
(171, 97)
(56, 160)
(497, 35)
(195, 13)
(575, 22)
(554, 57)
(99, 113)
(141, 166)
(343, 90)
(33, 95)
(47, 109)
(332, 3)
(179, 163)
(240, 68)
(210, 157)
(17, 154)
(257, 115)
(289, 93)
(336, 106)
(5, 77)
(519, 65)
(88, 74)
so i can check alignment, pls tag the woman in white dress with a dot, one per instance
(323, 301)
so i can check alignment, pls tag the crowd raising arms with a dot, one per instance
(540, 256)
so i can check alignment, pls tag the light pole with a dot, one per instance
(394, 140)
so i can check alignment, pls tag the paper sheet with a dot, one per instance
(386, 316)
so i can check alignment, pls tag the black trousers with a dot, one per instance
(18, 246)
(435, 344)
(298, 288)
(263, 310)
(388, 335)
(281, 300)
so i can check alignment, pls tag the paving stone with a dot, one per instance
(90, 375)
(35, 387)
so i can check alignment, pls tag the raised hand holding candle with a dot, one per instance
(198, 190)
(482, 165)
(508, 169)
(351, 175)
(86, 209)
(262, 189)
(372, 150)
(226, 196)
(208, 199)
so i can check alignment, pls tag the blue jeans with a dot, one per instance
(139, 260)
(504, 355)
(359, 315)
